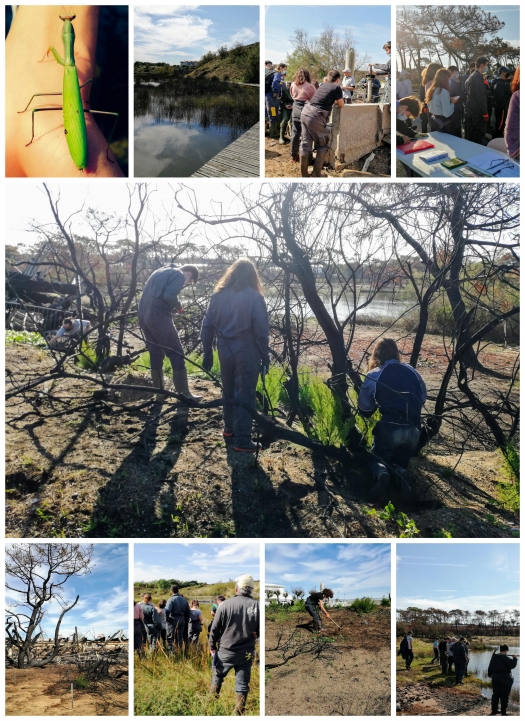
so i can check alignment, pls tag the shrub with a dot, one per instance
(327, 423)
(363, 605)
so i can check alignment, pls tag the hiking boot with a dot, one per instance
(180, 381)
(249, 447)
(240, 704)
(318, 164)
(381, 486)
(274, 131)
(305, 162)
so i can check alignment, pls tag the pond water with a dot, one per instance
(174, 140)
(479, 663)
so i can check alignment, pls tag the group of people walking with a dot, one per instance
(306, 105)
(473, 105)
(232, 633)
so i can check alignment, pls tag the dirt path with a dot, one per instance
(278, 162)
(422, 700)
(111, 471)
(40, 692)
(354, 682)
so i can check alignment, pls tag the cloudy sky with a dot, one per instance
(480, 576)
(351, 570)
(169, 34)
(370, 27)
(103, 607)
(203, 562)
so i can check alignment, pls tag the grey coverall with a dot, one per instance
(313, 128)
(236, 628)
(151, 623)
(178, 618)
(239, 319)
(159, 298)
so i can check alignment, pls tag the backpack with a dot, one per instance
(268, 80)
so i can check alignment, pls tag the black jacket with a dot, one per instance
(476, 95)
(501, 665)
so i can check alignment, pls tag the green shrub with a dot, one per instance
(274, 386)
(81, 681)
(23, 336)
(327, 423)
(386, 602)
(363, 605)
(87, 357)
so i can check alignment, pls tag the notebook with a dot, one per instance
(414, 146)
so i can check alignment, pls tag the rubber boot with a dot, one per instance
(274, 132)
(318, 164)
(158, 382)
(305, 161)
(240, 704)
(180, 381)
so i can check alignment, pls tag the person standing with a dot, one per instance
(440, 104)
(435, 647)
(196, 621)
(301, 90)
(460, 660)
(233, 635)
(286, 109)
(456, 91)
(159, 300)
(501, 94)
(161, 609)
(347, 86)
(138, 629)
(500, 673)
(403, 85)
(450, 654)
(178, 617)
(397, 390)
(238, 317)
(477, 105)
(152, 621)
(271, 103)
(443, 655)
(314, 602)
(314, 119)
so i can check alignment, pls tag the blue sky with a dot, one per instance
(204, 562)
(479, 576)
(170, 34)
(370, 27)
(351, 570)
(103, 606)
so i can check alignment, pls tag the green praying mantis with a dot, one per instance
(72, 106)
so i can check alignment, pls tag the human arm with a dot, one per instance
(215, 631)
(323, 609)
(261, 329)
(33, 31)
(207, 335)
(366, 400)
(512, 127)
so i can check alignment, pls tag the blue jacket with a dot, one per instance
(178, 606)
(397, 390)
(276, 83)
(161, 289)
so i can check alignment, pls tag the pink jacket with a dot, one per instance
(302, 92)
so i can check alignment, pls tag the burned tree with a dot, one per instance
(36, 574)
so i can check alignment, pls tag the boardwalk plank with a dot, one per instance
(239, 160)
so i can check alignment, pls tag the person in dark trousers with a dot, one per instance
(178, 618)
(233, 634)
(302, 90)
(238, 317)
(406, 650)
(456, 90)
(276, 92)
(460, 660)
(477, 105)
(500, 672)
(314, 118)
(314, 602)
(501, 94)
(196, 620)
(435, 647)
(215, 605)
(152, 622)
(443, 655)
(271, 103)
(286, 110)
(138, 629)
(398, 392)
(159, 300)
(450, 655)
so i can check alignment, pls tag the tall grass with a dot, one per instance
(177, 684)
(327, 423)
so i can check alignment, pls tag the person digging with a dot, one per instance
(314, 602)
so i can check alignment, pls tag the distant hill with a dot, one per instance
(240, 64)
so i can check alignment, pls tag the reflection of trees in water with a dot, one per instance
(208, 104)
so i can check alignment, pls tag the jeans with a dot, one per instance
(393, 444)
(314, 613)
(241, 662)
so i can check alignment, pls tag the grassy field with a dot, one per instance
(177, 685)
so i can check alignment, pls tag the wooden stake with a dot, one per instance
(71, 696)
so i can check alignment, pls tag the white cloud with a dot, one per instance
(468, 603)
(159, 34)
(244, 36)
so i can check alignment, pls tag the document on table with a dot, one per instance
(497, 166)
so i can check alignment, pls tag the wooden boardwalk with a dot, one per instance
(241, 159)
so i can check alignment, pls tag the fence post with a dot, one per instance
(71, 696)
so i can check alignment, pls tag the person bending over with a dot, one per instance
(314, 602)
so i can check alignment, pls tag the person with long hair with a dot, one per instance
(196, 621)
(427, 78)
(301, 90)
(238, 318)
(439, 102)
(397, 390)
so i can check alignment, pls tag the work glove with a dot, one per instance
(486, 118)
(207, 362)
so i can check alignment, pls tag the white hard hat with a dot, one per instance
(245, 581)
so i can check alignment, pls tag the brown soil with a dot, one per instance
(422, 700)
(42, 692)
(278, 162)
(111, 471)
(355, 682)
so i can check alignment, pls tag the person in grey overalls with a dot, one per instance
(238, 317)
(233, 634)
(178, 618)
(314, 602)
(152, 622)
(196, 620)
(159, 299)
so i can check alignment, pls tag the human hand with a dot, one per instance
(207, 363)
(33, 31)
